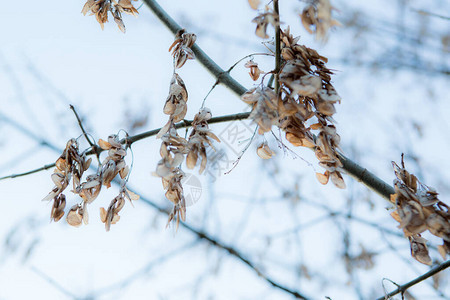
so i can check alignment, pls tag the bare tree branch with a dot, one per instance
(404, 287)
(221, 75)
(370, 180)
(129, 140)
(81, 126)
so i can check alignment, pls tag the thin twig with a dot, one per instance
(427, 13)
(94, 147)
(277, 47)
(143, 270)
(404, 287)
(81, 126)
(128, 140)
(236, 162)
(46, 167)
(187, 123)
(54, 283)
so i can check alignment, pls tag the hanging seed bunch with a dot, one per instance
(176, 103)
(263, 20)
(111, 216)
(173, 147)
(114, 163)
(101, 8)
(316, 18)
(72, 164)
(306, 96)
(199, 139)
(307, 93)
(181, 48)
(418, 209)
(263, 102)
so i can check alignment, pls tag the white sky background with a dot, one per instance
(51, 55)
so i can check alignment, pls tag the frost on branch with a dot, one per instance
(418, 209)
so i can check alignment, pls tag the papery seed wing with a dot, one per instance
(103, 214)
(104, 145)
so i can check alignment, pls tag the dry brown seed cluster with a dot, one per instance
(72, 164)
(264, 19)
(199, 139)
(173, 147)
(306, 96)
(418, 209)
(316, 18)
(114, 163)
(100, 9)
(181, 48)
(264, 107)
(176, 103)
(111, 216)
(254, 69)
(307, 92)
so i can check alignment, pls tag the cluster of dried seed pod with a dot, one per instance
(418, 209)
(101, 8)
(316, 18)
(306, 94)
(181, 48)
(72, 164)
(114, 163)
(111, 215)
(255, 71)
(173, 147)
(199, 139)
(263, 20)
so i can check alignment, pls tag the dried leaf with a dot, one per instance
(264, 151)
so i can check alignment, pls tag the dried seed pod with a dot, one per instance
(254, 70)
(323, 178)
(75, 216)
(254, 4)
(264, 151)
(57, 212)
(337, 180)
(419, 249)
